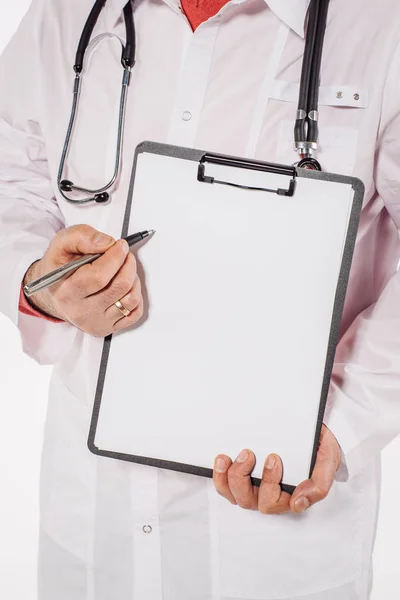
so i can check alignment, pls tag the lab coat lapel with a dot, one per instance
(113, 10)
(291, 12)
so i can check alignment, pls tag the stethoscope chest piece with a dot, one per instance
(311, 164)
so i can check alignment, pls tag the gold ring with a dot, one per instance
(122, 309)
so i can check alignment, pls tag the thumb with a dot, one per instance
(79, 239)
(317, 488)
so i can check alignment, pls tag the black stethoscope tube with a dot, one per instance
(306, 125)
(87, 34)
(300, 129)
(312, 134)
(128, 52)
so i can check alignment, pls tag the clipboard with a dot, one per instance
(244, 285)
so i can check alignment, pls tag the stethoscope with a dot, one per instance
(306, 125)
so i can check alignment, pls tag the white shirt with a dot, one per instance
(116, 530)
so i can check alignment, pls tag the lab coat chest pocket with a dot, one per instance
(341, 111)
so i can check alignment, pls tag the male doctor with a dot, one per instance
(222, 77)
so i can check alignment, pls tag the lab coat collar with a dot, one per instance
(114, 9)
(292, 12)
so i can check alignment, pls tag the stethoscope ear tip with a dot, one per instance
(101, 198)
(66, 186)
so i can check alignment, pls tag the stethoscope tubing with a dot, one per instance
(127, 61)
(306, 125)
(128, 51)
(68, 186)
(306, 122)
(300, 133)
(312, 107)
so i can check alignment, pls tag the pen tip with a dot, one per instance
(151, 231)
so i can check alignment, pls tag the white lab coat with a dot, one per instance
(236, 76)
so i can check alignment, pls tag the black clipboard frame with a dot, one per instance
(200, 156)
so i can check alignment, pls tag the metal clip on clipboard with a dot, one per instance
(255, 165)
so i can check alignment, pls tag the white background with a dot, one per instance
(23, 392)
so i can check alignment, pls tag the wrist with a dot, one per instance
(40, 302)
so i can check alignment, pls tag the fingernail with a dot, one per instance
(101, 239)
(125, 247)
(220, 465)
(302, 504)
(270, 462)
(242, 457)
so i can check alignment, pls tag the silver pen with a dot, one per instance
(54, 276)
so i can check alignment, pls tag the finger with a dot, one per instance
(220, 477)
(239, 480)
(119, 287)
(130, 301)
(133, 318)
(121, 284)
(271, 499)
(308, 493)
(78, 239)
(94, 277)
(317, 488)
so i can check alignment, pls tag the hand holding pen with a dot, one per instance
(100, 293)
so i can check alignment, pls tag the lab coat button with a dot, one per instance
(147, 528)
(186, 116)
